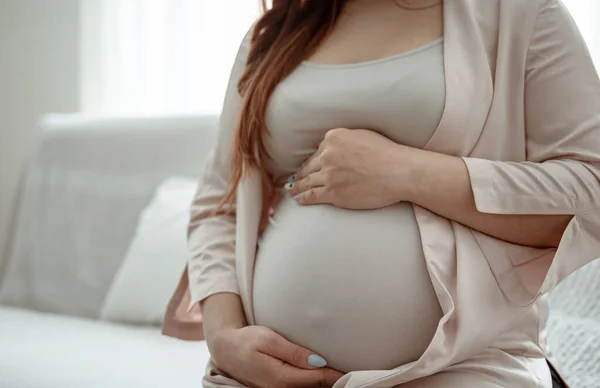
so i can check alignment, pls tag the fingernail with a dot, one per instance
(292, 179)
(288, 186)
(297, 198)
(316, 361)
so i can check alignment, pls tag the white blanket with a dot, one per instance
(85, 187)
(49, 351)
(574, 327)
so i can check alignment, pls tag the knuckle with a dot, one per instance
(304, 181)
(329, 178)
(326, 157)
(256, 343)
(330, 134)
(312, 195)
(334, 133)
(265, 339)
(297, 357)
(322, 381)
(335, 199)
(270, 342)
(307, 182)
(333, 194)
(289, 384)
(299, 187)
(303, 198)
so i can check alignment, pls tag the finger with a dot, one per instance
(284, 350)
(314, 196)
(311, 166)
(275, 202)
(330, 376)
(300, 378)
(315, 154)
(316, 179)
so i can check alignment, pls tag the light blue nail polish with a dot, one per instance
(316, 361)
(288, 186)
(292, 179)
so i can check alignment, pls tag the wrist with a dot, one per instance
(410, 166)
(219, 346)
(222, 314)
(217, 339)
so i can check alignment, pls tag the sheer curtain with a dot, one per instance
(587, 15)
(153, 57)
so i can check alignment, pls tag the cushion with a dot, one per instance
(149, 274)
(81, 199)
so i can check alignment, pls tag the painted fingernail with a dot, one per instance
(316, 361)
(297, 198)
(292, 179)
(288, 186)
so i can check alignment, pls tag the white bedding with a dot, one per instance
(40, 350)
(574, 327)
(77, 216)
(576, 348)
(49, 351)
(85, 187)
(155, 259)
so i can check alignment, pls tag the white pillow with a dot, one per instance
(158, 252)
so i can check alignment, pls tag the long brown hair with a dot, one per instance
(287, 33)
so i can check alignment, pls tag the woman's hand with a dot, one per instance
(354, 169)
(258, 357)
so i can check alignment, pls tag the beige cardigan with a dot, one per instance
(523, 110)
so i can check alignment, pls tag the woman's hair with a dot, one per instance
(287, 33)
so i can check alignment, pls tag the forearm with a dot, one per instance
(441, 184)
(222, 311)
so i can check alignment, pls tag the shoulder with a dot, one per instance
(249, 34)
(245, 44)
(521, 17)
(247, 39)
(511, 9)
(530, 8)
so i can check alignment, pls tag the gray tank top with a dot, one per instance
(311, 281)
(402, 97)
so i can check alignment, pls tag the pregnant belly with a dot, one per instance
(350, 285)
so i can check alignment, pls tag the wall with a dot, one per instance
(39, 73)
(586, 14)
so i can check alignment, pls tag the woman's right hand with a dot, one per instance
(260, 358)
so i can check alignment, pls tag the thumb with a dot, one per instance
(284, 350)
(322, 377)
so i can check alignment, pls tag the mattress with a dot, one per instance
(574, 327)
(80, 200)
(40, 350)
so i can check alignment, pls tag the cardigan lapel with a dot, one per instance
(248, 211)
(468, 82)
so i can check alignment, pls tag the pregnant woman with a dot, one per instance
(397, 184)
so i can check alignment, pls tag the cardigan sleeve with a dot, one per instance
(211, 237)
(562, 123)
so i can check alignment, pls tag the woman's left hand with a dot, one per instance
(355, 169)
